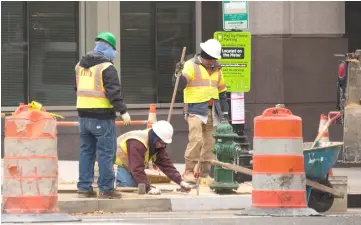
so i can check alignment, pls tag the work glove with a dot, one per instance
(154, 191)
(178, 69)
(185, 187)
(126, 118)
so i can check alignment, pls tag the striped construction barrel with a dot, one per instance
(279, 181)
(30, 163)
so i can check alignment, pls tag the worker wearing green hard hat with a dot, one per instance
(98, 102)
(108, 38)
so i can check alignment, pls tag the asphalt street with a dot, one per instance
(352, 217)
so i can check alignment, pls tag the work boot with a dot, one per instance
(87, 194)
(188, 175)
(204, 169)
(114, 194)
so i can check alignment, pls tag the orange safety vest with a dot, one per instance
(90, 91)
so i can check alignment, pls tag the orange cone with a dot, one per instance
(324, 138)
(152, 117)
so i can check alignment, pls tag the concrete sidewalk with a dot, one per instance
(132, 202)
(68, 174)
(166, 202)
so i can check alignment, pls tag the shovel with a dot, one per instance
(175, 87)
(329, 122)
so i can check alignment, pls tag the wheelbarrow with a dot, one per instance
(318, 162)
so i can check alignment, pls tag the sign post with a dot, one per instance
(236, 68)
(236, 58)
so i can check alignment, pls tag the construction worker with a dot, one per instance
(98, 101)
(206, 105)
(137, 147)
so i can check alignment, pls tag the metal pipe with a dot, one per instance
(117, 123)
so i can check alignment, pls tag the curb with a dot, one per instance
(175, 204)
(208, 203)
(115, 205)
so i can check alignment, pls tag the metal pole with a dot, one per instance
(117, 123)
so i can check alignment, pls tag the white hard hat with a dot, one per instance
(163, 130)
(212, 47)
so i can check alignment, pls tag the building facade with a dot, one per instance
(293, 47)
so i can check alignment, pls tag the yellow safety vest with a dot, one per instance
(201, 86)
(122, 151)
(90, 91)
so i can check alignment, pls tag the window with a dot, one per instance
(53, 52)
(13, 53)
(39, 50)
(153, 35)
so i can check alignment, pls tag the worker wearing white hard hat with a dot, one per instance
(135, 150)
(202, 82)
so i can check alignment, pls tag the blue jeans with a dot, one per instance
(97, 136)
(125, 178)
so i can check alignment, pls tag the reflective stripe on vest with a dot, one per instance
(199, 82)
(98, 90)
(221, 87)
(122, 150)
(202, 88)
(90, 90)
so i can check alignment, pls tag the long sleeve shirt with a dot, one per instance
(136, 155)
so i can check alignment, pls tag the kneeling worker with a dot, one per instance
(136, 148)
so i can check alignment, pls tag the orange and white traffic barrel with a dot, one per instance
(30, 162)
(279, 181)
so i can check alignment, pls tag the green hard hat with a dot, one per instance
(107, 37)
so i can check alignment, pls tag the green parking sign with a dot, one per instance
(236, 59)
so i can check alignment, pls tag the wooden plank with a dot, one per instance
(324, 188)
(247, 171)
